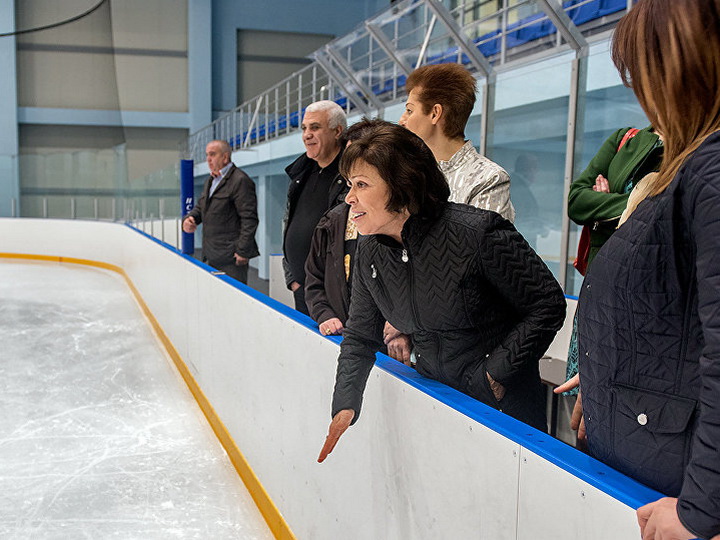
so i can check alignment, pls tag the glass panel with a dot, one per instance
(608, 106)
(92, 184)
(529, 141)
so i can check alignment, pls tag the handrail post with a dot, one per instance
(252, 122)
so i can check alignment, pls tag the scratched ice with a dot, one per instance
(99, 437)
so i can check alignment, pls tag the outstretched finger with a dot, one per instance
(328, 447)
(340, 422)
(571, 383)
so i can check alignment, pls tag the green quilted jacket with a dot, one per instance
(602, 210)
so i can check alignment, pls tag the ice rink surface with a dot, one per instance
(99, 436)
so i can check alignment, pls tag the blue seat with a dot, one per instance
(611, 6)
(582, 14)
(294, 122)
(526, 30)
(489, 44)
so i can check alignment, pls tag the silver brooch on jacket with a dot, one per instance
(374, 271)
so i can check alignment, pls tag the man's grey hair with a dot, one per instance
(224, 146)
(336, 115)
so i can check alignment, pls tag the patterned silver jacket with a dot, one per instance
(477, 181)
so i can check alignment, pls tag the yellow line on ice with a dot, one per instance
(273, 517)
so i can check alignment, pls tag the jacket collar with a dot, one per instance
(222, 181)
(299, 168)
(413, 233)
(466, 152)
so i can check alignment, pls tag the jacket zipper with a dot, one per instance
(406, 259)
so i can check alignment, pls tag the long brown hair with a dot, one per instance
(668, 52)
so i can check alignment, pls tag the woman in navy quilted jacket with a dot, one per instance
(479, 303)
(649, 311)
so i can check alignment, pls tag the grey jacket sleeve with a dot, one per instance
(289, 278)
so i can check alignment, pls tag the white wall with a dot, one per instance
(424, 461)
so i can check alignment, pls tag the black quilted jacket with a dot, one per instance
(649, 339)
(475, 298)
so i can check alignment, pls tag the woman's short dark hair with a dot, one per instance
(361, 128)
(408, 166)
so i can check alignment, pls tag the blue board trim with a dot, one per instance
(584, 467)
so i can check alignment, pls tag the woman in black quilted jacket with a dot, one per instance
(480, 304)
(649, 311)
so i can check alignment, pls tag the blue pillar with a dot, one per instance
(187, 201)
(9, 145)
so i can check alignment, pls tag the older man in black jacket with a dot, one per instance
(315, 186)
(228, 210)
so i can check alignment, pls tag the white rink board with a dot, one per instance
(412, 467)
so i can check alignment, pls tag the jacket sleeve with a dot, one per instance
(315, 296)
(289, 278)
(520, 276)
(362, 338)
(493, 194)
(245, 202)
(585, 205)
(699, 501)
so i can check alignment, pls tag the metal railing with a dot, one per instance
(146, 214)
(365, 70)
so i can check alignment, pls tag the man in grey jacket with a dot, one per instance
(228, 211)
(440, 100)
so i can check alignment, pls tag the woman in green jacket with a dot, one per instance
(599, 195)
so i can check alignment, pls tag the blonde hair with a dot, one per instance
(668, 52)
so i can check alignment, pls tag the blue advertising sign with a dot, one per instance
(187, 201)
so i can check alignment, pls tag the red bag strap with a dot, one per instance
(629, 134)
